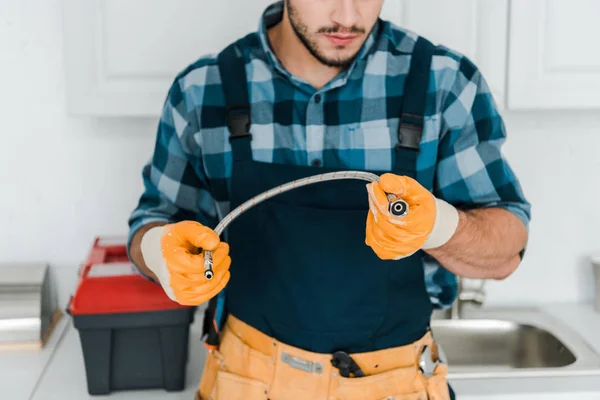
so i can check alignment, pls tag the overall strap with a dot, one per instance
(214, 318)
(414, 99)
(232, 68)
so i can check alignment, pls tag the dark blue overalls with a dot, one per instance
(301, 271)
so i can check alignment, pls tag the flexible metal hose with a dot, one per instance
(398, 208)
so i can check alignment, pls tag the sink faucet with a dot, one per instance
(471, 295)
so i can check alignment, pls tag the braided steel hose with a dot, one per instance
(398, 207)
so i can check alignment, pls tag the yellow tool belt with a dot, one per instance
(249, 365)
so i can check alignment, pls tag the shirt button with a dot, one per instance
(318, 98)
(316, 162)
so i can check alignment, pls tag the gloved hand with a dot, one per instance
(430, 221)
(174, 252)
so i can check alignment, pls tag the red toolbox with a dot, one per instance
(132, 335)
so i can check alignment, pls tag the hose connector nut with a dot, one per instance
(399, 208)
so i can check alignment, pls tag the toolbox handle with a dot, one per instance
(99, 254)
(85, 271)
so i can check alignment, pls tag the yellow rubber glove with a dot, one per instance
(174, 252)
(430, 221)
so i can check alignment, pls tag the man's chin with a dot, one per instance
(338, 60)
(332, 56)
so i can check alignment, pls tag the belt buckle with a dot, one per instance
(429, 361)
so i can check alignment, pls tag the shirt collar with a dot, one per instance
(273, 15)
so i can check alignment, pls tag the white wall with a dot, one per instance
(557, 158)
(64, 180)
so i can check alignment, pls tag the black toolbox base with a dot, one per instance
(135, 351)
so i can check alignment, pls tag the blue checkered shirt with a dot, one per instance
(343, 125)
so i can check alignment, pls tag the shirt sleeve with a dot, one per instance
(175, 186)
(472, 171)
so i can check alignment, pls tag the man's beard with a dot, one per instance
(301, 31)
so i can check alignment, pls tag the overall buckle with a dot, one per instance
(238, 122)
(410, 130)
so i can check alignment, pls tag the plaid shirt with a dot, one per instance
(342, 125)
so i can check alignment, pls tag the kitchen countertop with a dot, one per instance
(581, 319)
(62, 374)
(21, 369)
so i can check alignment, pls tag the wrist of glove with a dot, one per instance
(174, 253)
(429, 223)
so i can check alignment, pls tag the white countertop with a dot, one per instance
(21, 370)
(65, 378)
(582, 319)
(58, 373)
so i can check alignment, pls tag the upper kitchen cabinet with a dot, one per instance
(122, 56)
(554, 57)
(478, 29)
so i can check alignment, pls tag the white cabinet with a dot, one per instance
(554, 57)
(121, 56)
(478, 29)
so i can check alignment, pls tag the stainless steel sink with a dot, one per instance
(512, 342)
(501, 344)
